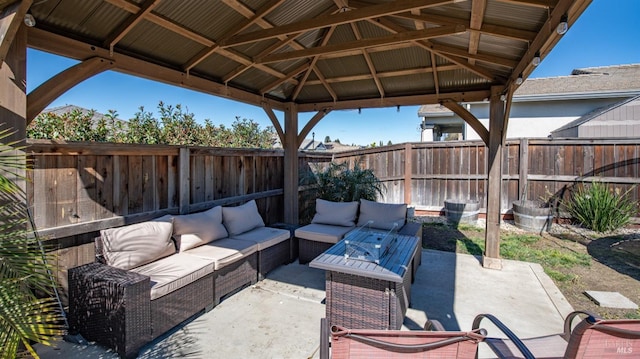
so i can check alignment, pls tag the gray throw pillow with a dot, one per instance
(195, 229)
(382, 215)
(137, 244)
(241, 219)
(335, 213)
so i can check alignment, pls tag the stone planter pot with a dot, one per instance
(533, 216)
(461, 211)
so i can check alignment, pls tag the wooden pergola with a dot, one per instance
(295, 56)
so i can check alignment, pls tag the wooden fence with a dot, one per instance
(426, 174)
(77, 189)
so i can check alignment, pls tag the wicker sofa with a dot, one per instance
(151, 276)
(334, 220)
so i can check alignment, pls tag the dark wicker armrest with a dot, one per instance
(110, 306)
(516, 341)
(411, 229)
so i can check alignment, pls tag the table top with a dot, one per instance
(392, 267)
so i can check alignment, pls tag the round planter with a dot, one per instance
(534, 216)
(461, 211)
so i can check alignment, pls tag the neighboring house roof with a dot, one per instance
(615, 80)
(61, 110)
(311, 145)
(434, 111)
(339, 147)
(593, 115)
(599, 81)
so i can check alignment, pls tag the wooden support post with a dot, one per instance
(184, 183)
(407, 173)
(291, 164)
(524, 169)
(13, 98)
(491, 258)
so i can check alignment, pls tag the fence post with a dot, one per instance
(523, 171)
(183, 180)
(407, 173)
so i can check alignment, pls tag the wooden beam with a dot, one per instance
(129, 24)
(252, 18)
(434, 70)
(11, 19)
(346, 17)
(288, 77)
(545, 4)
(547, 37)
(477, 16)
(291, 165)
(427, 45)
(57, 44)
(367, 58)
(305, 77)
(411, 100)
(187, 33)
(13, 100)
(325, 84)
(469, 118)
(274, 120)
(461, 52)
(43, 95)
(386, 74)
(311, 124)
(488, 29)
(364, 43)
(491, 258)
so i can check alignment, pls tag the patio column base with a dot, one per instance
(492, 263)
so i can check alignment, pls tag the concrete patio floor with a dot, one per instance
(280, 316)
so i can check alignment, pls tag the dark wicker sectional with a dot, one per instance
(112, 306)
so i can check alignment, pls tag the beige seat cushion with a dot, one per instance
(382, 215)
(241, 219)
(335, 213)
(137, 244)
(174, 272)
(196, 229)
(322, 232)
(224, 251)
(265, 237)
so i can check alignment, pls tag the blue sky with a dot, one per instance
(603, 35)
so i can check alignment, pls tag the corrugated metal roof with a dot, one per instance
(398, 36)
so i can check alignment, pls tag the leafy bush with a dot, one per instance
(175, 126)
(600, 209)
(338, 183)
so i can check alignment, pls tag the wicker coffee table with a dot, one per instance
(363, 294)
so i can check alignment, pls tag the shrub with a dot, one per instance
(340, 184)
(600, 209)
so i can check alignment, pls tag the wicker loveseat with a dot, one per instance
(151, 276)
(334, 220)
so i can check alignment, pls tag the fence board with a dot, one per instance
(87, 201)
(104, 186)
(161, 190)
(66, 190)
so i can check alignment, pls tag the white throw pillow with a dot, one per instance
(196, 229)
(335, 213)
(241, 219)
(137, 244)
(382, 215)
